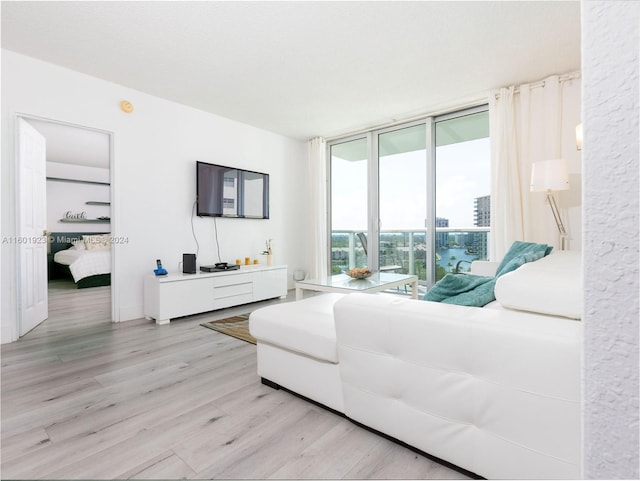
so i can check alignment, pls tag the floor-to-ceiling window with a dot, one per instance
(349, 199)
(412, 198)
(402, 199)
(462, 201)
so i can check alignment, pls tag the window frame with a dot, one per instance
(373, 184)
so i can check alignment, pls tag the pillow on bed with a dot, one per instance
(77, 245)
(96, 242)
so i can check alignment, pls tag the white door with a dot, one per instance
(32, 245)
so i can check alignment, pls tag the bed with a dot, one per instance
(81, 256)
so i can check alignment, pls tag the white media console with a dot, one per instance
(177, 295)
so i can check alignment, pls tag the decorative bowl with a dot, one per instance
(359, 273)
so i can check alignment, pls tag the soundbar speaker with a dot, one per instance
(189, 263)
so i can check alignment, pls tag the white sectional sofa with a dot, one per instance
(493, 390)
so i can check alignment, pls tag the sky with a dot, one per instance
(462, 174)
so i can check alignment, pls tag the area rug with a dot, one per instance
(235, 326)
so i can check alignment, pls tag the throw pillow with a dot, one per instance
(519, 261)
(77, 245)
(520, 253)
(96, 242)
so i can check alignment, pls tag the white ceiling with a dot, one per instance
(68, 144)
(304, 68)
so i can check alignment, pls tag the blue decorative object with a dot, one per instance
(160, 271)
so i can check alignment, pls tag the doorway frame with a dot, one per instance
(16, 200)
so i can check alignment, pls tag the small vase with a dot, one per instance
(269, 259)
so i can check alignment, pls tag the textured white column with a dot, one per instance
(610, 46)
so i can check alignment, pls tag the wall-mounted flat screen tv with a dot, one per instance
(230, 192)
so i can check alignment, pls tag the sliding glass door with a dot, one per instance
(463, 204)
(402, 199)
(349, 204)
(412, 198)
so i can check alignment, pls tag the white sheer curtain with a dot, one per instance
(318, 212)
(525, 126)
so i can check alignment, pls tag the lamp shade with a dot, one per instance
(549, 175)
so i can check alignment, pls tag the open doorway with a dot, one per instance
(77, 218)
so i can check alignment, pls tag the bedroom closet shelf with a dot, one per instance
(86, 221)
(78, 181)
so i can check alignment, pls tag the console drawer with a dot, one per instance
(232, 290)
(233, 279)
(232, 301)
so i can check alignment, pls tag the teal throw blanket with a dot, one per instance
(478, 291)
(463, 289)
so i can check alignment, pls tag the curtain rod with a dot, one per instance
(540, 83)
(476, 102)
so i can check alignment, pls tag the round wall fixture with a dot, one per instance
(126, 106)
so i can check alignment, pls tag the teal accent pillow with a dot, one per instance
(520, 253)
(518, 261)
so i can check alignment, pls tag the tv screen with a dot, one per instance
(230, 192)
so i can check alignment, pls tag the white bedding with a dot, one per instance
(85, 263)
(67, 257)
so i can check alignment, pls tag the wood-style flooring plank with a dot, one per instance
(279, 442)
(346, 443)
(392, 461)
(165, 466)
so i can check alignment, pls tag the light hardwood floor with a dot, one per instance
(83, 398)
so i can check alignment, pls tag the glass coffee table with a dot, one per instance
(377, 282)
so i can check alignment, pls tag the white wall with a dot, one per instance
(155, 150)
(63, 197)
(610, 44)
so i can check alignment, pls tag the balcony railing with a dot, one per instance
(455, 249)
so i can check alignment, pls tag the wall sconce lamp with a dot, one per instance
(579, 136)
(550, 176)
